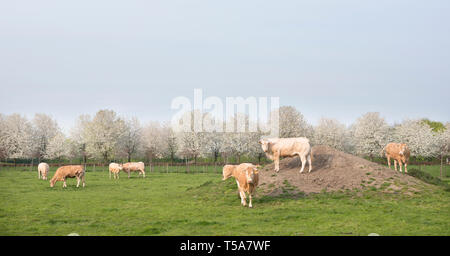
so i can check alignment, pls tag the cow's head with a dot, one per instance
(265, 145)
(52, 182)
(251, 174)
(402, 149)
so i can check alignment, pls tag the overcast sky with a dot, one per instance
(337, 59)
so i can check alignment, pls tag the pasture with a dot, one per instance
(201, 204)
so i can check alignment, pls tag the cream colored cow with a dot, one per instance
(43, 169)
(114, 168)
(134, 167)
(287, 147)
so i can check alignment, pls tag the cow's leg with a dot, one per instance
(143, 174)
(239, 190)
(389, 161)
(64, 184)
(400, 164)
(395, 164)
(39, 174)
(309, 163)
(84, 183)
(277, 163)
(406, 167)
(243, 198)
(250, 199)
(303, 159)
(78, 182)
(129, 174)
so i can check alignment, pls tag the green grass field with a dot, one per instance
(435, 171)
(202, 204)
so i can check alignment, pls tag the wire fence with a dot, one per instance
(157, 167)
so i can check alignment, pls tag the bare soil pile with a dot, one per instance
(334, 170)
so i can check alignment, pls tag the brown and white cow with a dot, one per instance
(287, 147)
(246, 176)
(399, 152)
(134, 167)
(43, 170)
(69, 171)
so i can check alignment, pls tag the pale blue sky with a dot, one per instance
(337, 59)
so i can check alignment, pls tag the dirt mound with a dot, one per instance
(334, 170)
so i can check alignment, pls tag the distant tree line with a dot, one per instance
(106, 136)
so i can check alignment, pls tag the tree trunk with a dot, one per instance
(129, 157)
(216, 155)
(31, 166)
(442, 163)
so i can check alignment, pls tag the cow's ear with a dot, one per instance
(260, 141)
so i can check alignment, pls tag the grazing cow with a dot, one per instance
(115, 169)
(134, 167)
(246, 176)
(68, 171)
(286, 147)
(43, 170)
(399, 152)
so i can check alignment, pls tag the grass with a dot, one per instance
(201, 204)
(434, 170)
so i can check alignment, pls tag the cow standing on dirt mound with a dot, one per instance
(134, 167)
(247, 178)
(287, 147)
(399, 152)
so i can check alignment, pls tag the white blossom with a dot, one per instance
(102, 134)
(331, 133)
(292, 123)
(370, 134)
(419, 137)
(131, 138)
(58, 147)
(44, 129)
(16, 136)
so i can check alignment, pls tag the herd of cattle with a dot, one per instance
(245, 174)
